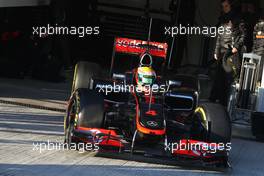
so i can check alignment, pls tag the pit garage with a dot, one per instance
(62, 61)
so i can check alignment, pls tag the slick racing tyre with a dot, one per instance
(83, 73)
(69, 134)
(257, 121)
(69, 123)
(85, 110)
(211, 124)
(91, 108)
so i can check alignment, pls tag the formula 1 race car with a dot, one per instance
(142, 109)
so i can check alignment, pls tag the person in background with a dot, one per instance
(250, 16)
(258, 41)
(233, 38)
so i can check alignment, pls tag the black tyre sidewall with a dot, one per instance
(83, 73)
(218, 123)
(91, 108)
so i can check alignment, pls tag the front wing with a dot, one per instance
(184, 150)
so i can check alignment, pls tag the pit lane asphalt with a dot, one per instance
(20, 127)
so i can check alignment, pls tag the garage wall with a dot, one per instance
(19, 3)
(158, 5)
(261, 4)
(207, 13)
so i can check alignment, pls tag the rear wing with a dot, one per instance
(138, 47)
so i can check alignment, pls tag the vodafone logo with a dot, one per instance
(125, 45)
(138, 44)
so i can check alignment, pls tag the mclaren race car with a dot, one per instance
(142, 109)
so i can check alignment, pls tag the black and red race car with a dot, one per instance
(168, 122)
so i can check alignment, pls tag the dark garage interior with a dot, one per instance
(116, 18)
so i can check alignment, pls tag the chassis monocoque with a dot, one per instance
(170, 122)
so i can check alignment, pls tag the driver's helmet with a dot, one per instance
(145, 75)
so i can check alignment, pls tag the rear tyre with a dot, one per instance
(83, 73)
(257, 121)
(212, 124)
